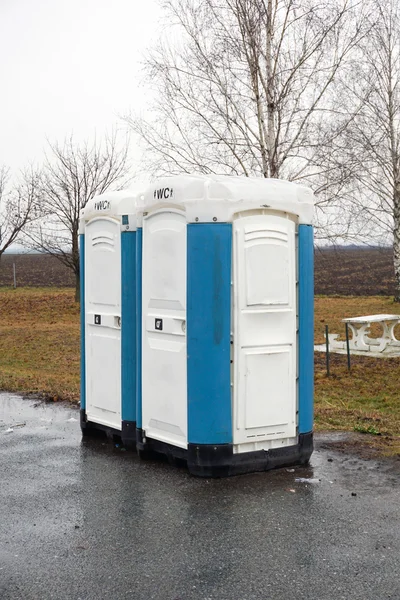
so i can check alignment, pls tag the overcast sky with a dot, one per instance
(68, 65)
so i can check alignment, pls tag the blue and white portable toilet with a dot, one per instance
(226, 375)
(108, 227)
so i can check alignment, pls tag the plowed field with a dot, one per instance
(342, 271)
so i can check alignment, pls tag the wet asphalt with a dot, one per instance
(85, 520)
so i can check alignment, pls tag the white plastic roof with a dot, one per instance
(114, 204)
(209, 198)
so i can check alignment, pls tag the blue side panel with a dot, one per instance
(209, 256)
(306, 328)
(82, 309)
(128, 326)
(139, 237)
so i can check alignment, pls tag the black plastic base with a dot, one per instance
(206, 460)
(127, 435)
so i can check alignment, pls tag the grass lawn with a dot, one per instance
(39, 342)
(39, 353)
(367, 399)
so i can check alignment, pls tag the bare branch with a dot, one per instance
(72, 175)
(19, 205)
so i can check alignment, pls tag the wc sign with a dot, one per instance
(102, 205)
(163, 194)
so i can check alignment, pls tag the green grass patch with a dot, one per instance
(370, 429)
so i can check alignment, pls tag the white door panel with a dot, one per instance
(103, 325)
(265, 338)
(104, 388)
(164, 388)
(267, 373)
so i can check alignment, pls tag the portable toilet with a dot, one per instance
(108, 226)
(226, 376)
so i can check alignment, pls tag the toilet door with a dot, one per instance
(164, 379)
(103, 321)
(265, 336)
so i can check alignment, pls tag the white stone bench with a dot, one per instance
(360, 341)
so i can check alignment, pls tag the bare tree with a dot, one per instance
(372, 139)
(72, 175)
(19, 205)
(244, 87)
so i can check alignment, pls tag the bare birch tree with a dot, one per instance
(19, 205)
(72, 175)
(243, 87)
(372, 139)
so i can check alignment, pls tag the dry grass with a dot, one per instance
(330, 310)
(39, 342)
(39, 353)
(367, 399)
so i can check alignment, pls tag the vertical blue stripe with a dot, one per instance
(128, 326)
(139, 237)
(209, 257)
(82, 318)
(306, 328)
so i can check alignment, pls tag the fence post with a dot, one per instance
(327, 350)
(15, 276)
(348, 347)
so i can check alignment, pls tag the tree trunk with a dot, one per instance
(396, 242)
(77, 286)
(271, 108)
(75, 261)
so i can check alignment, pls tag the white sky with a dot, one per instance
(68, 65)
